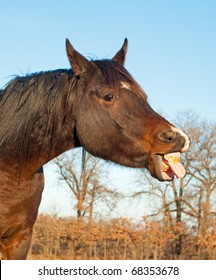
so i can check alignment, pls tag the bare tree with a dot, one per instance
(81, 172)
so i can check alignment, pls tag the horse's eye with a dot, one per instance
(108, 97)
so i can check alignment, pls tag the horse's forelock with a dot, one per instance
(116, 75)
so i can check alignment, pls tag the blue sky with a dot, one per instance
(172, 44)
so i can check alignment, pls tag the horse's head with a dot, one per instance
(114, 120)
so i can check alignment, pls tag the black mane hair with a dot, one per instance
(32, 101)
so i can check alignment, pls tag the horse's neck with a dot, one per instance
(38, 153)
(45, 148)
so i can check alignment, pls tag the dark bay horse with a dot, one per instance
(95, 104)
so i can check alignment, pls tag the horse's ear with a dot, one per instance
(121, 54)
(78, 62)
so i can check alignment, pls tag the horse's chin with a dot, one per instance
(166, 167)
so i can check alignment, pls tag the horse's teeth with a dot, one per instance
(172, 159)
(165, 167)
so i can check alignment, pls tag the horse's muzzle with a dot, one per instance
(177, 137)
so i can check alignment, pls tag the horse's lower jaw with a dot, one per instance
(165, 167)
(158, 172)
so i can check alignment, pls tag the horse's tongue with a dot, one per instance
(177, 168)
(173, 161)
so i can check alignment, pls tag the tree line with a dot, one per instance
(117, 239)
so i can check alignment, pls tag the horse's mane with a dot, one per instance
(26, 100)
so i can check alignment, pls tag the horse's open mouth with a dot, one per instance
(167, 166)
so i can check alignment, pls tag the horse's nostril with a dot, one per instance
(167, 136)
